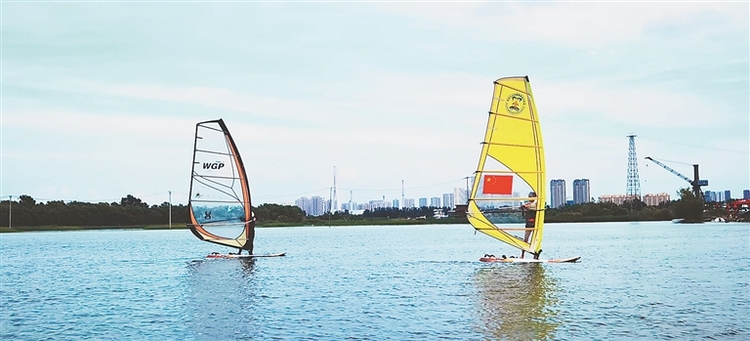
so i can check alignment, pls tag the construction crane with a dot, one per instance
(696, 182)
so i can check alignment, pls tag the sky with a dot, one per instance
(100, 98)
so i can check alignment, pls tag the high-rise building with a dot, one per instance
(314, 206)
(435, 202)
(448, 200)
(746, 194)
(303, 204)
(459, 195)
(376, 204)
(408, 203)
(727, 195)
(557, 193)
(395, 203)
(422, 202)
(581, 193)
(318, 206)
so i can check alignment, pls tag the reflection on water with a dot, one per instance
(517, 302)
(218, 291)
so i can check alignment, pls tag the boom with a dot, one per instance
(696, 182)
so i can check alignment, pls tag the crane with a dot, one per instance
(696, 182)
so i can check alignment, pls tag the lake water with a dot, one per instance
(636, 281)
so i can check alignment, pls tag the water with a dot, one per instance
(636, 281)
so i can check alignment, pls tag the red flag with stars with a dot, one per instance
(498, 184)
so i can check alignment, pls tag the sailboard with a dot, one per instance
(232, 255)
(493, 259)
(507, 196)
(219, 204)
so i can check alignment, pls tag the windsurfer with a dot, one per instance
(529, 215)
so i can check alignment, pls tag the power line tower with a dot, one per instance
(634, 183)
(401, 204)
(334, 196)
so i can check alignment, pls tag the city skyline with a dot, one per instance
(556, 199)
(100, 100)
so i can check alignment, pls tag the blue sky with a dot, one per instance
(100, 99)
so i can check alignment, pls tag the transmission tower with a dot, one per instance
(401, 204)
(634, 183)
(334, 196)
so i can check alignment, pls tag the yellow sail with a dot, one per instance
(511, 169)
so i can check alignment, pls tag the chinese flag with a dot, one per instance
(498, 184)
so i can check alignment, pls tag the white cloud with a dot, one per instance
(641, 106)
(574, 23)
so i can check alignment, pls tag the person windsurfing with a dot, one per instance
(529, 216)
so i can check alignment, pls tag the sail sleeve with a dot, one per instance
(512, 152)
(219, 204)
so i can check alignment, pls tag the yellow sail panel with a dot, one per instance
(482, 224)
(512, 145)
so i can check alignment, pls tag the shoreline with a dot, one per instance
(377, 222)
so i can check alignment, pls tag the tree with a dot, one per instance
(27, 200)
(689, 207)
(132, 201)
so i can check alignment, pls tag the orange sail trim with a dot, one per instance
(249, 222)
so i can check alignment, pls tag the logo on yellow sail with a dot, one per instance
(515, 103)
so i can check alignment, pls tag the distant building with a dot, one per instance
(746, 194)
(618, 199)
(707, 196)
(408, 203)
(376, 204)
(448, 200)
(314, 206)
(655, 199)
(557, 193)
(727, 195)
(395, 203)
(434, 202)
(581, 192)
(422, 202)
(459, 195)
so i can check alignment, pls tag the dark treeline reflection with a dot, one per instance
(517, 302)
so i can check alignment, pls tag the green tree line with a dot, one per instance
(130, 211)
(687, 207)
(133, 212)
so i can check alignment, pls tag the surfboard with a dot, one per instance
(528, 260)
(218, 255)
